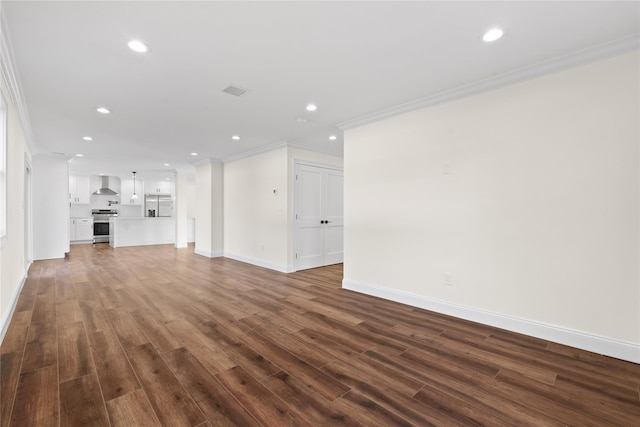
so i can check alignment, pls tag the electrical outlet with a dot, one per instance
(448, 279)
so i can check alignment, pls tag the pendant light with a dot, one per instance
(134, 196)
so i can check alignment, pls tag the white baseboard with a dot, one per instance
(259, 263)
(207, 253)
(6, 317)
(594, 343)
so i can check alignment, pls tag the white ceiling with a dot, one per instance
(351, 59)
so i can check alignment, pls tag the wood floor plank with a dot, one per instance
(261, 403)
(25, 301)
(9, 376)
(462, 411)
(469, 345)
(156, 331)
(479, 392)
(254, 362)
(107, 297)
(368, 339)
(64, 291)
(380, 390)
(333, 334)
(81, 403)
(618, 412)
(211, 329)
(325, 310)
(208, 350)
(36, 402)
(328, 343)
(68, 311)
(313, 355)
(42, 346)
(112, 365)
(307, 404)
(459, 384)
(84, 292)
(367, 412)
(313, 378)
(132, 409)
(170, 401)
(218, 405)
(127, 330)
(73, 352)
(44, 309)
(94, 317)
(16, 336)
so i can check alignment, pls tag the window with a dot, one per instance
(3, 168)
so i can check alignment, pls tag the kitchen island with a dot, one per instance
(141, 231)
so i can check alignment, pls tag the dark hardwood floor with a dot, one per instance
(150, 336)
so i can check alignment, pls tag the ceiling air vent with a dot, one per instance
(234, 90)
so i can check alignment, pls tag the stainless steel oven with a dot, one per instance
(101, 227)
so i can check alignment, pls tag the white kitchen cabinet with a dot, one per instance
(126, 194)
(158, 187)
(81, 229)
(79, 189)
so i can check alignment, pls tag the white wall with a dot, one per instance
(209, 231)
(13, 268)
(50, 206)
(180, 210)
(258, 224)
(537, 219)
(255, 227)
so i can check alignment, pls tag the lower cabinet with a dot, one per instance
(81, 229)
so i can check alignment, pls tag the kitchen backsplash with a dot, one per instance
(80, 211)
(102, 202)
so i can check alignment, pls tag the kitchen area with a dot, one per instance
(123, 211)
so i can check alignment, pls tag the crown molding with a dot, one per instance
(328, 151)
(207, 161)
(256, 151)
(276, 146)
(591, 54)
(11, 79)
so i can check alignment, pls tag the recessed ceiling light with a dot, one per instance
(194, 154)
(101, 174)
(87, 138)
(332, 137)
(236, 137)
(103, 110)
(492, 35)
(167, 164)
(138, 46)
(311, 107)
(79, 155)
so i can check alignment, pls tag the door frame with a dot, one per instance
(294, 205)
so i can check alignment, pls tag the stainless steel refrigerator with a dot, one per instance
(158, 205)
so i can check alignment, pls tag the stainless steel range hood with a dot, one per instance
(105, 189)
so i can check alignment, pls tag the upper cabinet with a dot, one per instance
(79, 189)
(126, 196)
(158, 186)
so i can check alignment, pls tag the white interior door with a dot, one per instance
(334, 217)
(319, 216)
